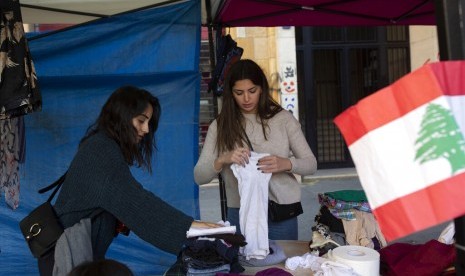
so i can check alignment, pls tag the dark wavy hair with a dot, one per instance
(105, 267)
(115, 119)
(231, 132)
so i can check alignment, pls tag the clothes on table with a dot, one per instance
(330, 268)
(362, 230)
(208, 255)
(447, 235)
(325, 217)
(342, 207)
(347, 195)
(273, 271)
(198, 232)
(322, 240)
(320, 266)
(208, 271)
(402, 259)
(345, 218)
(275, 256)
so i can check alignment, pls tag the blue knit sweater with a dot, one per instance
(99, 177)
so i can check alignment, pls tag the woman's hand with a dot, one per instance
(205, 224)
(238, 156)
(274, 164)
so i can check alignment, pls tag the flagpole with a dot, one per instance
(450, 20)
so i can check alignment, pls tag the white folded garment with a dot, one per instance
(199, 232)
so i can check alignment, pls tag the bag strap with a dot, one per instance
(247, 137)
(248, 141)
(57, 184)
(223, 199)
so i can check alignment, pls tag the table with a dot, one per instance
(291, 249)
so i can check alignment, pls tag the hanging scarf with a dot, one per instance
(11, 155)
(19, 91)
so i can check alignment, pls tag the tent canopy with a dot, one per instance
(235, 13)
(325, 12)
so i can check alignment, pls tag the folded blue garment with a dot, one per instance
(276, 256)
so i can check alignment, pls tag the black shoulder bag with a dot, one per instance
(42, 227)
(280, 212)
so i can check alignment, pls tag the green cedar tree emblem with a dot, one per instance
(440, 137)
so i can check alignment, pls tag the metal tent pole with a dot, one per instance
(450, 20)
(211, 42)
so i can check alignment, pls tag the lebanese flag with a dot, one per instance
(408, 147)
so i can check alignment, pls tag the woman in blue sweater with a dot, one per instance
(99, 177)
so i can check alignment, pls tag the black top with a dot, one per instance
(99, 177)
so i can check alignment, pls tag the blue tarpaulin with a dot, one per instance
(156, 49)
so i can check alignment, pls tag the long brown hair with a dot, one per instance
(231, 129)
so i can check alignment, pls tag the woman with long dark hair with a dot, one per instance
(99, 177)
(251, 119)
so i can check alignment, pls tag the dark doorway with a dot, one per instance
(337, 67)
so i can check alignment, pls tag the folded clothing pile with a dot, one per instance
(208, 255)
(345, 218)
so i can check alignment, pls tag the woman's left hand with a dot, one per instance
(274, 164)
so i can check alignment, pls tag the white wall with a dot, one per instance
(423, 45)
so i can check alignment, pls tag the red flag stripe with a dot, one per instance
(405, 95)
(433, 205)
(452, 83)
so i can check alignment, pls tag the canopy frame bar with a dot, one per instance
(62, 10)
(107, 16)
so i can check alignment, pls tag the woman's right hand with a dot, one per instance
(205, 224)
(239, 156)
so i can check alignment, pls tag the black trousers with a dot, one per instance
(46, 264)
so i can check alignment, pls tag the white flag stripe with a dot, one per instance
(387, 170)
(457, 104)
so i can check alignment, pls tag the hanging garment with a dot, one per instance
(19, 91)
(227, 53)
(253, 212)
(11, 154)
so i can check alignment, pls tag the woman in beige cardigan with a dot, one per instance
(250, 113)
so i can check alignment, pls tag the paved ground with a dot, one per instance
(323, 181)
